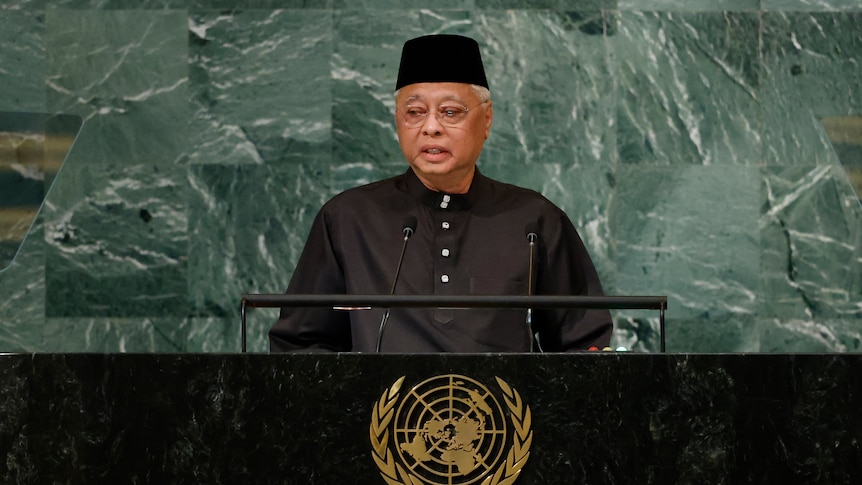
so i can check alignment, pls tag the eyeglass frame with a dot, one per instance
(438, 113)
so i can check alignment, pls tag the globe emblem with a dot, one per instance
(450, 429)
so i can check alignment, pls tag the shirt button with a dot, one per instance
(445, 225)
(446, 198)
(444, 205)
(444, 278)
(445, 253)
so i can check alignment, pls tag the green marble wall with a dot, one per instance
(682, 137)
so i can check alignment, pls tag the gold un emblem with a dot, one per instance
(450, 430)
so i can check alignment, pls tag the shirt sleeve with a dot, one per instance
(319, 271)
(567, 269)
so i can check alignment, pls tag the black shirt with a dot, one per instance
(464, 244)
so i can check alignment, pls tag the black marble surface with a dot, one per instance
(597, 418)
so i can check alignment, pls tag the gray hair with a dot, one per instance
(482, 92)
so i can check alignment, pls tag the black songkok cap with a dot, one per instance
(440, 59)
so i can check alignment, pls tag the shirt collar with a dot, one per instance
(442, 200)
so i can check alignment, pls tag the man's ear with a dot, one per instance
(489, 117)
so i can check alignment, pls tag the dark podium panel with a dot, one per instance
(601, 418)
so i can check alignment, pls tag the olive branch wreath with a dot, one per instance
(395, 474)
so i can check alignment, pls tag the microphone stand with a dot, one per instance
(531, 236)
(408, 231)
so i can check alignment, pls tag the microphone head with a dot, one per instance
(531, 231)
(409, 226)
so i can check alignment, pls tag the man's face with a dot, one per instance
(443, 153)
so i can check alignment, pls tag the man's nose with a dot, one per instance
(432, 126)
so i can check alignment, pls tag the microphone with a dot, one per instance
(408, 230)
(531, 231)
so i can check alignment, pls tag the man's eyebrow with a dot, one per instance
(448, 97)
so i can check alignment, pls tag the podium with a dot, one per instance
(596, 418)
